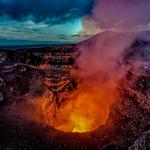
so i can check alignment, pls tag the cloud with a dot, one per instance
(38, 32)
(50, 11)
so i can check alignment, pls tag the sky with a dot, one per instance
(42, 21)
(68, 21)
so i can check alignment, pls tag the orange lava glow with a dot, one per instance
(84, 110)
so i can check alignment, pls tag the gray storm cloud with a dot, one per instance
(52, 11)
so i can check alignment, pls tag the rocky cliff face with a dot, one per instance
(22, 70)
(31, 73)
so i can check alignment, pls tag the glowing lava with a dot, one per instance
(84, 110)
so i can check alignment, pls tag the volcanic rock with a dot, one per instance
(142, 143)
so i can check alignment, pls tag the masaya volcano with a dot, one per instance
(69, 97)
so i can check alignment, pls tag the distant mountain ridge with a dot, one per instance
(16, 47)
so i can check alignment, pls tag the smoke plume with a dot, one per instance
(121, 13)
(102, 52)
(99, 63)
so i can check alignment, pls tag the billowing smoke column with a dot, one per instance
(100, 71)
